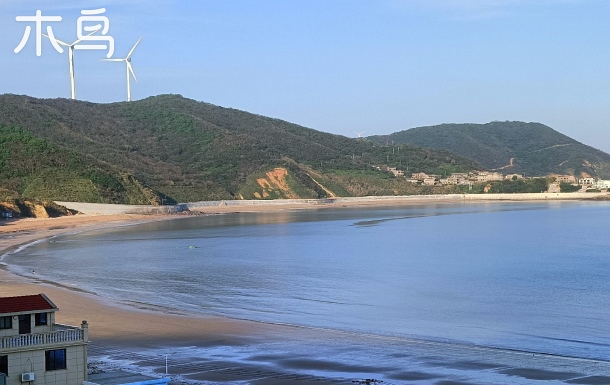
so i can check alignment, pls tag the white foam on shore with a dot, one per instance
(346, 361)
(23, 247)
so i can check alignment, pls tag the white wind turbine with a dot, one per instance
(127, 61)
(359, 134)
(71, 58)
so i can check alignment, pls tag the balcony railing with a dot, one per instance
(66, 334)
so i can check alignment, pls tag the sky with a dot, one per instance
(339, 66)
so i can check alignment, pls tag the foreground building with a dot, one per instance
(34, 349)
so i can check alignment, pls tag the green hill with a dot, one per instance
(35, 167)
(510, 147)
(184, 150)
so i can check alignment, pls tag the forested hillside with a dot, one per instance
(172, 149)
(36, 167)
(531, 148)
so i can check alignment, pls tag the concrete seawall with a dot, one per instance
(112, 209)
(534, 196)
(397, 199)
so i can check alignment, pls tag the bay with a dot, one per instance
(527, 276)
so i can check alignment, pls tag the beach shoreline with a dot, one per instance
(140, 327)
(230, 206)
(73, 302)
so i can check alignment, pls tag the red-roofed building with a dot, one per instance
(36, 350)
(23, 303)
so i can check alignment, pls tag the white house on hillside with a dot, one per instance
(602, 184)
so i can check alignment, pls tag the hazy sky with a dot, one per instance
(339, 66)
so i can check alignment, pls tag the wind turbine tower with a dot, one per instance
(71, 59)
(129, 69)
(359, 134)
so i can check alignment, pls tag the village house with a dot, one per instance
(565, 179)
(420, 176)
(457, 179)
(484, 176)
(36, 350)
(396, 172)
(514, 177)
(586, 181)
(429, 181)
(602, 184)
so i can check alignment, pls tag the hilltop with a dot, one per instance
(168, 149)
(509, 147)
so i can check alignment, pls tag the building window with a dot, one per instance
(55, 359)
(6, 322)
(4, 364)
(40, 319)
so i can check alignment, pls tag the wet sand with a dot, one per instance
(220, 350)
(117, 322)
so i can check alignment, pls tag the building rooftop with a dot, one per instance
(24, 303)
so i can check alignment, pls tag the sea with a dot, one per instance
(529, 277)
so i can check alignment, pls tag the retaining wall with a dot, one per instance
(110, 209)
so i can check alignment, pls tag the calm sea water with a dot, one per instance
(533, 277)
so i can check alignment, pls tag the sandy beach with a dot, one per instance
(259, 353)
(113, 321)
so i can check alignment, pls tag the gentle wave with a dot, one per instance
(435, 276)
(23, 247)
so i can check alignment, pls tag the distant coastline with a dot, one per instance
(15, 233)
(225, 206)
(94, 216)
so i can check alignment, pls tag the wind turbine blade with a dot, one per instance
(130, 68)
(113, 59)
(133, 49)
(57, 40)
(83, 38)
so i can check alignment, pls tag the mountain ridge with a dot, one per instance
(185, 150)
(510, 146)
